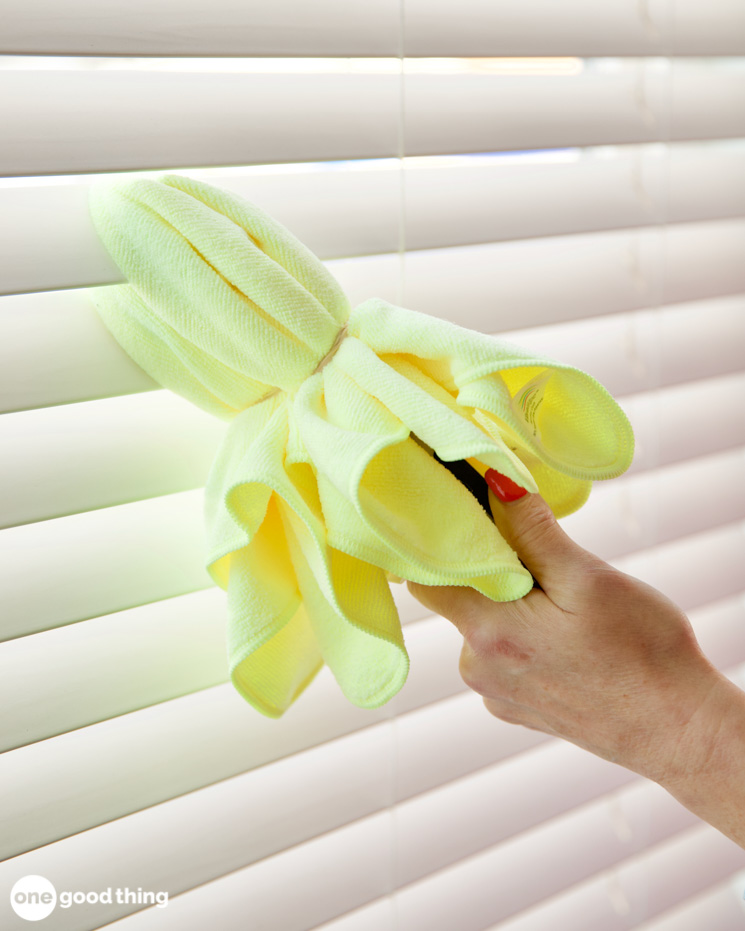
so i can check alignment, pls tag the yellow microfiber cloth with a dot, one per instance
(323, 490)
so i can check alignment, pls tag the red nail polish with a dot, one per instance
(504, 488)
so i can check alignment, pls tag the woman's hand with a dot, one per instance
(601, 659)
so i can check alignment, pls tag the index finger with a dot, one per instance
(471, 611)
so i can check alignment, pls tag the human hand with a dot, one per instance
(594, 656)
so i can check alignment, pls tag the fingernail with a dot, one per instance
(504, 488)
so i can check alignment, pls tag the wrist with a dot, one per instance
(683, 714)
(709, 748)
(711, 783)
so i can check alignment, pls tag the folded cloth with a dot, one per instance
(323, 489)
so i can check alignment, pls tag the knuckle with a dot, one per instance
(504, 644)
(475, 672)
(468, 667)
(538, 527)
(481, 638)
(501, 710)
(486, 675)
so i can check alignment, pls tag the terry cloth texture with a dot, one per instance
(323, 491)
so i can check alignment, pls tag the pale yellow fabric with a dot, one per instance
(319, 495)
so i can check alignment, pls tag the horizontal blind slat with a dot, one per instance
(54, 348)
(681, 569)
(544, 281)
(633, 101)
(578, 27)
(655, 507)
(484, 199)
(719, 908)
(354, 27)
(662, 422)
(71, 568)
(650, 348)
(593, 188)
(63, 121)
(78, 457)
(60, 680)
(112, 539)
(122, 662)
(190, 118)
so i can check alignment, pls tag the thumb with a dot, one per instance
(529, 526)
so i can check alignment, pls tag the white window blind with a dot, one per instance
(569, 175)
